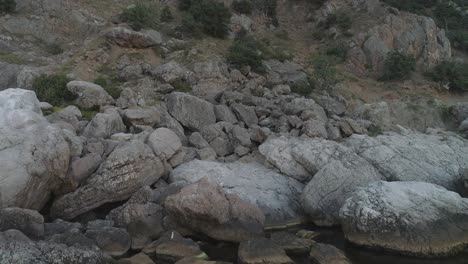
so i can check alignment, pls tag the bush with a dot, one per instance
(54, 48)
(339, 19)
(190, 26)
(7, 6)
(242, 6)
(53, 89)
(246, 51)
(302, 88)
(454, 74)
(339, 51)
(325, 75)
(166, 14)
(210, 16)
(181, 86)
(141, 15)
(398, 66)
(267, 7)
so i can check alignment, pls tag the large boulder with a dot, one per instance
(132, 39)
(164, 143)
(34, 155)
(411, 156)
(190, 111)
(28, 221)
(204, 207)
(129, 167)
(275, 194)
(413, 218)
(332, 172)
(16, 248)
(89, 95)
(104, 125)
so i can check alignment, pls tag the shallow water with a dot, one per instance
(334, 236)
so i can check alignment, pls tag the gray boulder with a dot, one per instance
(142, 116)
(412, 218)
(245, 113)
(132, 39)
(164, 143)
(111, 240)
(70, 114)
(204, 207)
(190, 111)
(129, 167)
(275, 194)
(90, 95)
(34, 155)
(412, 156)
(104, 125)
(30, 222)
(262, 250)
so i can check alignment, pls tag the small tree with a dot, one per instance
(7, 6)
(398, 66)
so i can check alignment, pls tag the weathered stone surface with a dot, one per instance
(327, 254)
(113, 241)
(204, 207)
(141, 116)
(260, 251)
(246, 114)
(30, 222)
(82, 168)
(415, 157)
(104, 125)
(164, 143)
(34, 155)
(275, 194)
(224, 114)
(16, 248)
(413, 218)
(131, 39)
(173, 247)
(292, 244)
(70, 114)
(90, 95)
(129, 167)
(190, 111)
(140, 258)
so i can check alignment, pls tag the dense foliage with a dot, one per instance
(246, 51)
(53, 89)
(166, 14)
(454, 74)
(398, 66)
(209, 16)
(242, 6)
(141, 15)
(325, 75)
(449, 15)
(7, 6)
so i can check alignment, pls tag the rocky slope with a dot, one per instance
(191, 150)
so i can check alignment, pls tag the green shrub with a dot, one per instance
(141, 15)
(7, 6)
(166, 14)
(242, 6)
(109, 84)
(181, 86)
(246, 51)
(338, 50)
(53, 89)
(54, 48)
(455, 74)
(210, 16)
(398, 66)
(189, 26)
(339, 19)
(325, 75)
(268, 8)
(302, 88)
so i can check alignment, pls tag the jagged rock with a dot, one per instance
(113, 241)
(241, 136)
(286, 72)
(104, 125)
(139, 93)
(129, 167)
(171, 71)
(131, 39)
(59, 226)
(190, 111)
(197, 140)
(164, 143)
(30, 222)
(245, 113)
(90, 95)
(141, 116)
(331, 105)
(82, 168)
(224, 114)
(70, 114)
(260, 251)
(212, 75)
(16, 248)
(276, 195)
(34, 155)
(204, 207)
(173, 247)
(415, 157)
(206, 154)
(327, 254)
(413, 218)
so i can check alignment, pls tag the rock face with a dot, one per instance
(129, 167)
(89, 94)
(415, 157)
(190, 111)
(276, 195)
(412, 218)
(15, 247)
(131, 39)
(337, 171)
(34, 155)
(204, 207)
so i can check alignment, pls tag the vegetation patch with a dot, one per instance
(242, 6)
(53, 89)
(181, 86)
(246, 51)
(207, 16)
(452, 74)
(7, 6)
(142, 15)
(398, 66)
(11, 58)
(325, 74)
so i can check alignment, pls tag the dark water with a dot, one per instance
(228, 252)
